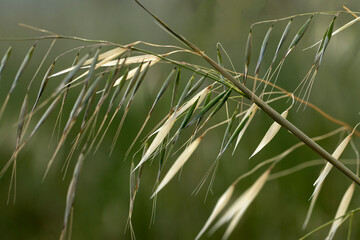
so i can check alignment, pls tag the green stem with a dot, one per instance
(261, 104)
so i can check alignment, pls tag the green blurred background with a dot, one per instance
(101, 204)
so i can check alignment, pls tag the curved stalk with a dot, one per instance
(261, 104)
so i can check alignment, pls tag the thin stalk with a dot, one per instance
(261, 104)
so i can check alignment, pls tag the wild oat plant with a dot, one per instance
(105, 78)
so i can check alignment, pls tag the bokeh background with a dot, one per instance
(101, 204)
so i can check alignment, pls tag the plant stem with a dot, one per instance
(279, 119)
(261, 104)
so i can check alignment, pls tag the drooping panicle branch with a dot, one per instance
(260, 103)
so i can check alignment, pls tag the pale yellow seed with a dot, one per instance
(221, 203)
(251, 113)
(133, 71)
(243, 205)
(107, 54)
(344, 204)
(163, 131)
(270, 134)
(320, 180)
(106, 57)
(131, 60)
(182, 159)
(337, 153)
(238, 208)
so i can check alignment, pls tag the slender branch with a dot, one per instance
(203, 72)
(261, 104)
(315, 108)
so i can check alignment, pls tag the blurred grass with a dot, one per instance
(101, 203)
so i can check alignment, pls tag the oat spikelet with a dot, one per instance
(131, 60)
(238, 208)
(345, 201)
(105, 57)
(248, 198)
(340, 29)
(184, 156)
(111, 54)
(162, 133)
(320, 180)
(133, 71)
(270, 134)
(221, 203)
(229, 214)
(165, 129)
(71, 192)
(250, 115)
(201, 96)
(337, 153)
